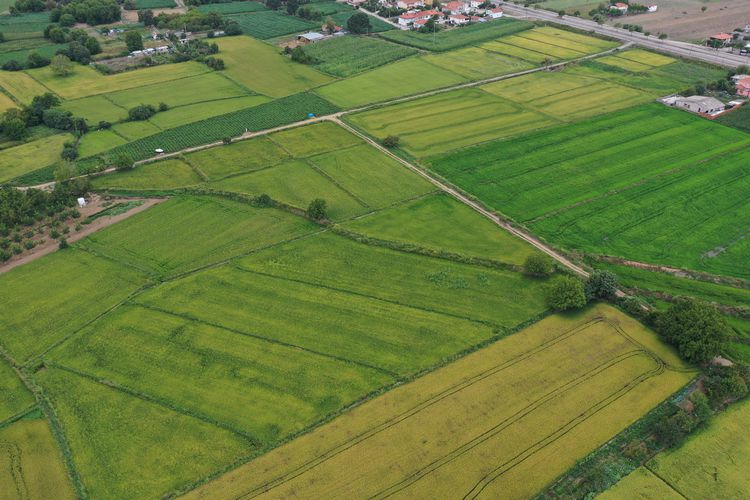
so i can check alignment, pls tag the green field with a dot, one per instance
(129, 447)
(314, 139)
(453, 39)
(476, 63)
(48, 299)
(20, 55)
(154, 4)
(450, 120)
(190, 113)
(30, 463)
(31, 156)
(739, 118)
(95, 109)
(21, 86)
(441, 223)
(168, 174)
(232, 7)
(14, 396)
(641, 484)
(272, 24)
(713, 462)
(402, 78)
(99, 141)
(187, 233)
(242, 156)
(348, 55)
(25, 23)
(135, 130)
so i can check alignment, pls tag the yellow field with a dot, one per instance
(31, 156)
(6, 103)
(21, 86)
(644, 57)
(501, 422)
(30, 464)
(641, 484)
(476, 63)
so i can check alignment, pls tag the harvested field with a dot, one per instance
(30, 463)
(190, 232)
(597, 372)
(684, 19)
(440, 223)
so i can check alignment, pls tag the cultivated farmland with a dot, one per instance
(166, 174)
(270, 24)
(14, 397)
(346, 56)
(21, 159)
(604, 370)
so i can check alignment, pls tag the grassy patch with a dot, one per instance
(475, 63)
(313, 139)
(241, 156)
(154, 4)
(453, 39)
(271, 24)
(348, 55)
(31, 156)
(642, 484)
(166, 174)
(739, 118)
(21, 86)
(95, 109)
(14, 396)
(232, 7)
(48, 299)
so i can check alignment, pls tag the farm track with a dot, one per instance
(450, 391)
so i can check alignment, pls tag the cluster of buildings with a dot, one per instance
(163, 49)
(707, 106)
(742, 84)
(454, 13)
(623, 7)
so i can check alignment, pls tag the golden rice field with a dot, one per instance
(501, 422)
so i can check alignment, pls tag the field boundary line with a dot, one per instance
(18, 416)
(434, 399)
(194, 168)
(505, 423)
(658, 476)
(314, 167)
(371, 297)
(154, 400)
(270, 340)
(569, 426)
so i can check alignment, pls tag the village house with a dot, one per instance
(308, 38)
(495, 13)
(743, 86)
(458, 19)
(700, 104)
(411, 18)
(455, 8)
(720, 39)
(410, 4)
(653, 8)
(622, 7)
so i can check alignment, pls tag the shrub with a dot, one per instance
(69, 153)
(63, 244)
(227, 140)
(12, 65)
(697, 329)
(538, 265)
(391, 141)
(566, 293)
(726, 383)
(163, 106)
(264, 200)
(317, 209)
(359, 23)
(123, 162)
(601, 285)
(141, 112)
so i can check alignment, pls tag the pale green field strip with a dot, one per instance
(554, 52)
(480, 425)
(21, 86)
(447, 121)
(296, 183)
(370, 176)
(270, 73)
(99, 141)
(314, 139)
(48, 299)
(625, 64)
(127, 447)
(713, 462)
(520, 53)
(30, 463)
(441, 223)
(348, 55)
(502, 298)
(86, 81)
(361, 330)
(189, 232)
(402, 78)
(476, 63)
(641, 484)
(263, 389)
(168, 174)
(542, 173)
(190, 113)
(242, 156)
(135, 130)
(569, 39)
(96, 109)
(702, 207)
(6, 103)
(14, 396)
(31, 156)
(645, 57)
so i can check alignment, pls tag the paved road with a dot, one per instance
(681, 49)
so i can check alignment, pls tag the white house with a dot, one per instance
(310, 37)
(653, 8)
(495, 13)
(474, 4)
(458, 19)
(622, 7)
(700, 104)
(455, 8)
(409, 4)
(411, 17)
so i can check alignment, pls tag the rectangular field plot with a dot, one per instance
(14, 396)
(451, 120)
(568, 39)
(643, 485)
(695, 217)
(21, 86)
(241, 156)
(475, 63)
(135, 130)
(86, 81)
(232, 7)
(488, 424)
(270, 73)
(31, 156)
(370, 176)
(46, 300)
(498, 297)
(127, 447)
(295, 183)
(6, 103)
(542, 173)
(265, 389)
(358, 329)
(95, 109)
(442, 224)
(31, 464)
(191, 113)
(348, 55)
(453, 39)
(313, 139)
(645, 57)
(401, 78)
(168, 174)
(725, 445)
(271, 23)
(189, 232)
(99, 141)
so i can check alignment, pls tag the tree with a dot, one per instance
(2, 37)
(123, 162)
(12, 65)
(36, 60)
(359, 23)
(57, 118)
(561, 13)
(141, 112)
(391, 141)
(292, 6)
(697, 329)
(601, 285)
(538, 265)
(330, 25)
(134, 41)
(146, 17)
(671, 430)
(233, 28)
(67, 20)
(61, 65)
(566, 293)
(317, 209)
(93, 46)
(725, 383)
(57, 35)
(63, 244)
(15, 129)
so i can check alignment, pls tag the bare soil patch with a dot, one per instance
(684, 20)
